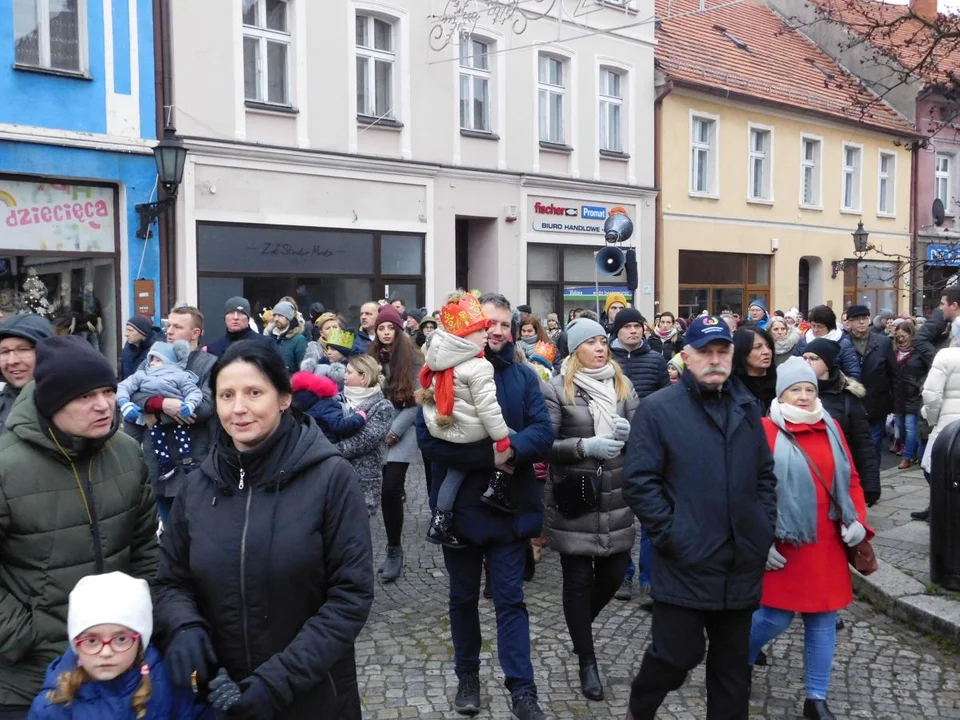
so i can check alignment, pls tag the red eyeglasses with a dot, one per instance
(94, 645)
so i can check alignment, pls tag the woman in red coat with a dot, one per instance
(807, 569)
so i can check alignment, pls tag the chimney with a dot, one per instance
(926, 9)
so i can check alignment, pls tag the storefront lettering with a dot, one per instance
(551, 209)
(544, 226)
(85, 212)
(284, 249)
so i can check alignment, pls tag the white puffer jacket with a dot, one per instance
(476, 412)
(941, 396)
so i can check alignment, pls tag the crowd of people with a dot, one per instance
(260, 458)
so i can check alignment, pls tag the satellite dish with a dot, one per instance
(938, 212)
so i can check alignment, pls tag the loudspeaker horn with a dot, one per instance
(610, 261)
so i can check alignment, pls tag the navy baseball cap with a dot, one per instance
(706, 329)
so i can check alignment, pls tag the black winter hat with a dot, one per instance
(141, 324)
(826, 350)
(627, 315)
(68, 367)
(29, 327)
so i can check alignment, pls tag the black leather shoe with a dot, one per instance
(590, 684)
(817, 710)
(923, 515)
(761, 660)
(439, 531)
(468, 695)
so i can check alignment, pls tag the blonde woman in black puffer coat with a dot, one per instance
(591, 404)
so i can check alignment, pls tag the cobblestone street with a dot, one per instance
(882, 669)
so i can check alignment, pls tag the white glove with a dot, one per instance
(621, 428)
(853, 534)
(775, 561)
(602, 447)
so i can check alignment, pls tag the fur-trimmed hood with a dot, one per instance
(322, 387)
(854, 387)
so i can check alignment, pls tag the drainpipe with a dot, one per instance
(916, 289)
(658, 203)
(163, 90)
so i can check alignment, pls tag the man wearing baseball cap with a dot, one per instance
(711, 516)
(75, 500)
(237, 320)
(19, 336)
(878, 370)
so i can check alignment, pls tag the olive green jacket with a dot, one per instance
(69, 507)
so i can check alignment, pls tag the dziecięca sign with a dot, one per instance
(56, 217)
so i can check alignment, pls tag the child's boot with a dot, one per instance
(497, 494)
(439, 531)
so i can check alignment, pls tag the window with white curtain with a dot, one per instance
(944, 180)
(552, 92)
(703, 155)
(376, 62)
(887, 184)
(475, 84)
(761, 175)
(611, 110)
(810, 166)
(851, 177)
(50, 34)
(266, 51)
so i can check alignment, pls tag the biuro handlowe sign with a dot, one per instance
(50, 216)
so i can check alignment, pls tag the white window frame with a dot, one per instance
(553, 90)
(713, 156)
(858, 177)
(263, 35)
(891, 182)
(938, 175)
(372, 55)
(817, 171)
(607, 103)
(766, 159)
(475, 73)
(42, 8)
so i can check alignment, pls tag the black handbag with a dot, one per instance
(577, 493)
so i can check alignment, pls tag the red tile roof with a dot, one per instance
(894, 31)
(778, 65)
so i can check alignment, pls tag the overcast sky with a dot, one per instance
(944, 5)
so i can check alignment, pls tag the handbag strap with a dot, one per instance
(813, 468)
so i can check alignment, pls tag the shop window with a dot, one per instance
(401, 255)
(266, 51)
(714, 281)
(869, 283)
(581, 287)
(376, 60)
(543, 262)
(50, 34)
(475, 84)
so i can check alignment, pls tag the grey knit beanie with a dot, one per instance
(581, 330)
(794, 370)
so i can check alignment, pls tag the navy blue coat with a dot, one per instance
(710, 514)
(360, 342)
(328, 412)
(219, 346)
(644, 367)
(132, 356)
(524, 410)
(111, 699)
(878, 367)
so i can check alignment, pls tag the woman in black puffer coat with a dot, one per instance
(842, 397)
(266, 567)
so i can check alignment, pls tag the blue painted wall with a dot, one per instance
(79, 104)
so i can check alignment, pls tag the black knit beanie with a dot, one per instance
(141, 324)
(68, 367)
(625, 316)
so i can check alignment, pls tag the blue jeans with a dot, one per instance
(907, 429)
(878, 433)
(646, 547)
(505, 563)
(819, 642)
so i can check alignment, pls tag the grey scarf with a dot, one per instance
(796, 483)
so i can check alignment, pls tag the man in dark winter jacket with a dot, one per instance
(286, 331)
(647, 370)
(74, 501)
(237, 320)
(19, 336)
(183, 323)
(711, 516)
(366, 332)
(878, 368)
(934, 334)
(140, 335)
(498, 539)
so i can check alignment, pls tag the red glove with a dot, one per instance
(154, 405)
(503, 445)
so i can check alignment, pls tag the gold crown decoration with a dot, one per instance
(544, 351)
(463, 317)
(341, 340)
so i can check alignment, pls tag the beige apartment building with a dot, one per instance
(351, 149)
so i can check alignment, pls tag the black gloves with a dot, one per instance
(190, 652)
(224, 692)
(255, 703)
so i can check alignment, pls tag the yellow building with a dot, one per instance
(766, 164)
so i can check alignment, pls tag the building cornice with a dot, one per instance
(69, 138)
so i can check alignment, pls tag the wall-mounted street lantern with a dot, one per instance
(861, 246)
(170, 156)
